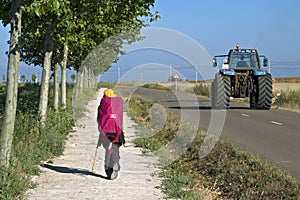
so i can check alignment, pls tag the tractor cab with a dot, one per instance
(241, 59)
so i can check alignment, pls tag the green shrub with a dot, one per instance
(12, 183)
(202, 90)
(55, 132)
(28, 98)
(177, 182)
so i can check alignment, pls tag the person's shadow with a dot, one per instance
(68, 170)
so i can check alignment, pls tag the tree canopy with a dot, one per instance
(81, 25)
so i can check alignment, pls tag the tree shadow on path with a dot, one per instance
(68, 170)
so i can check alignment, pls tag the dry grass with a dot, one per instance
(278, 87)
(286, 92)
(279, 84)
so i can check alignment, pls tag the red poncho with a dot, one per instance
(110, 115)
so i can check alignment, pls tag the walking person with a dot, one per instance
(110, 126)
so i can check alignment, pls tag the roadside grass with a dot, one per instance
(79, 106)
(32, 144)
(289, 99)
(155, 86)
(199, 88)
(227, 172)
(106, 85)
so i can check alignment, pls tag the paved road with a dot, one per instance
(271, 134)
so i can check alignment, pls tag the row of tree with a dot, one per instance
(57, 34)
(34, 78)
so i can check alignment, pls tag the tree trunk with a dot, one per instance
(64, 79)
(77, 89)
(88, 76)
(97, 78)
(46, 73)
(93, 80)
(81, 80)
(7, 130)
(85, 77)
(56, 85)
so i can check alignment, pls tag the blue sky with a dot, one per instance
(272, 27)
(217, 25)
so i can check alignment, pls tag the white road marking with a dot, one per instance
(277, 123)
(245, 115)
(285, 161)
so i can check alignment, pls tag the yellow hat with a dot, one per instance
(109, 93)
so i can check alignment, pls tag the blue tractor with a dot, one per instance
(242, 76)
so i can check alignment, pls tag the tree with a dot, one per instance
(73, 77)
(4, 78)
(7, 130)
(23, 78)
(64, 78)
(34, 78)
(43, 105)
(56, 85)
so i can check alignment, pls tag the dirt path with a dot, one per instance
(70, 177)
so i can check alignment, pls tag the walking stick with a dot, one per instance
(95, 156)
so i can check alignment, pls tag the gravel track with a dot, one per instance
(69, 176)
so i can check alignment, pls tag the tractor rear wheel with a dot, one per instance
(212, 94)
(262, 99)
(221, 88)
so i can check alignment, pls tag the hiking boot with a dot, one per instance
(114, 175)
(109, 172)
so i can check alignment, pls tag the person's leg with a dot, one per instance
(115, 158)
(107, 161)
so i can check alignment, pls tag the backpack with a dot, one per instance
(110, 117)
